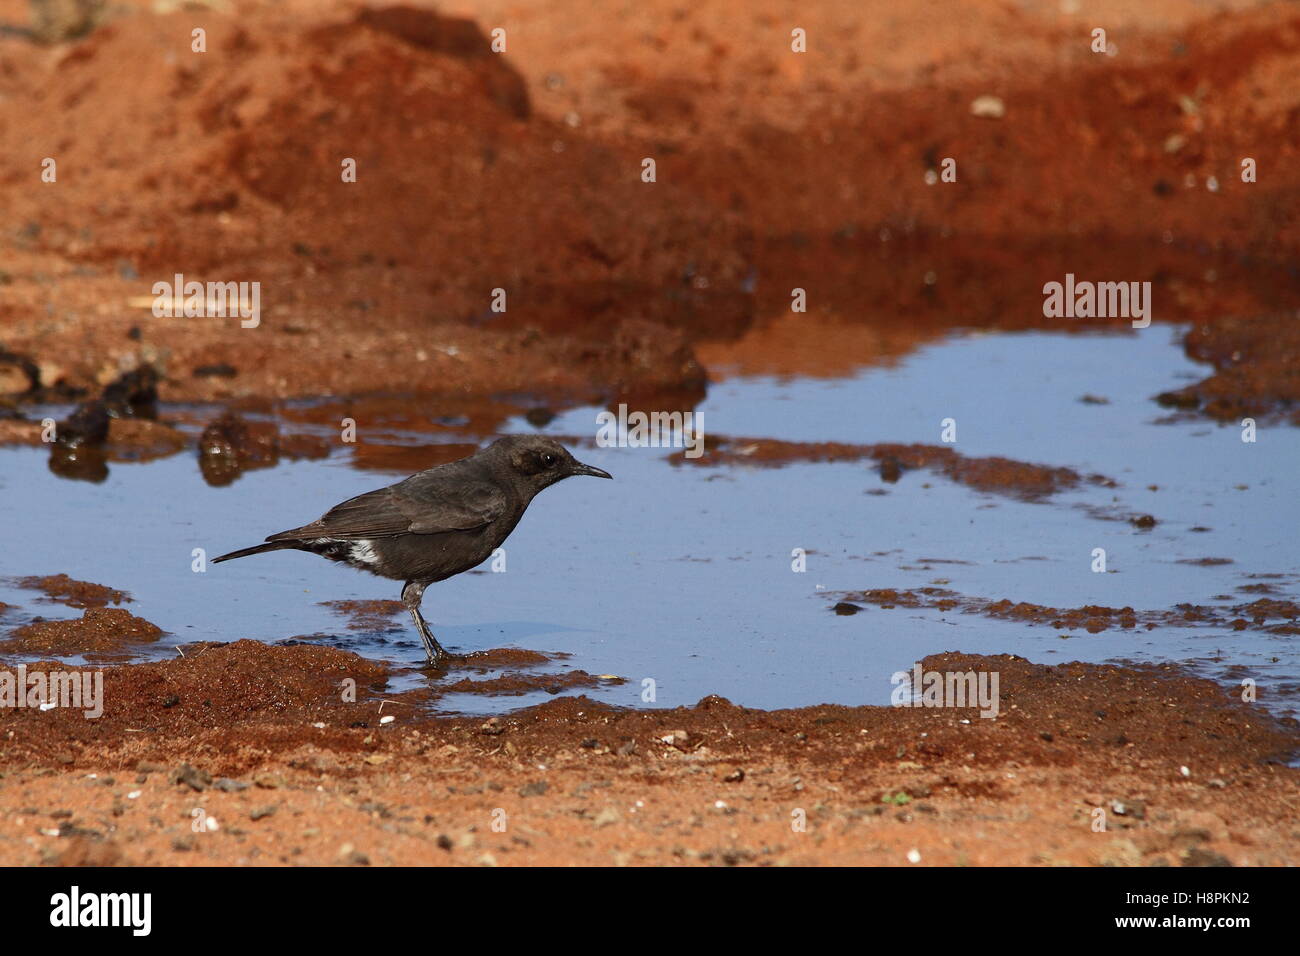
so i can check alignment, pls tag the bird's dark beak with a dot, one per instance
(580, 469)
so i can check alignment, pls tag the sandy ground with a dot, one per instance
(522, 172)
(248, 754)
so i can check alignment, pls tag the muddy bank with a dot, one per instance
(775, 171)
(101, 633)
(1275, 616)
(343, 261)
(1255, 362)
(73, 593)
(1000, 475)
(260, 740)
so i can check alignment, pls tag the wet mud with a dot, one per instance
(1281, 617)
(65, 590)
(518, 684)
(496, 672)
(101, 633)
(1255, 362)
(999, 475)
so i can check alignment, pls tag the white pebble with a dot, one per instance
(988, 107)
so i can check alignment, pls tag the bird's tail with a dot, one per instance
(255, 549)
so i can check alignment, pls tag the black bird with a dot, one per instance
(436, 523)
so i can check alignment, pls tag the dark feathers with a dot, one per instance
(439, 522)
(443, 499)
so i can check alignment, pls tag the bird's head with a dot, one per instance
(538, 462)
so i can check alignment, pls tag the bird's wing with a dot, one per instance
(444, 506)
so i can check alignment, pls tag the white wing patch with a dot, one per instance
(363, 553)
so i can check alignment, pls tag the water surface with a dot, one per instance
(682, 574)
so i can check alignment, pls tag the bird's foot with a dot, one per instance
(435, 654)
(442, 660)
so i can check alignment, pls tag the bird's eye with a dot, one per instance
(548, 459)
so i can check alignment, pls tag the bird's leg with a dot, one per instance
(412, 595)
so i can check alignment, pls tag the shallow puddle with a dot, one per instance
(681, 574)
